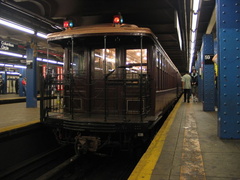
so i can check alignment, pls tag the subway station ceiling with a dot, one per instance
(159, 15)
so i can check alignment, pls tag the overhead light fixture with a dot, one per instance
(42, 35)
(19, 66)
(11, 54)
(61, 63)
(193, 30)
(177, 24)
(39, 59)
(13, 73)
(194, 21)
(196, 4)
(16, 26)
(8, 65)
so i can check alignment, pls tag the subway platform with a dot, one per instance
(188, 148)
(16, 115)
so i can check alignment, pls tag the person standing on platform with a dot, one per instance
(215, 61)
(24, 84)
(186, 84)
(1, 86)
(16, 85)
(194, 76)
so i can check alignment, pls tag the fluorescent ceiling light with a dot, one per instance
(19, 66)
(178, 30)
(195, 5)
(193, 36)
(42, 35)
(13, 73)
(194, 21)
(11, 54)
(16, 26)
(49, 61)
(39, 59)
(8, 65)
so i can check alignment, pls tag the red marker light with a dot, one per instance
(67, 24)
(117, 19)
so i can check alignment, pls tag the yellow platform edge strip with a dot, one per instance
(145, 166)
(9, 128)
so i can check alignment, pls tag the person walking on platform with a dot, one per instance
(16, 85)
(1, 86)
(194, 76)
(186, 84)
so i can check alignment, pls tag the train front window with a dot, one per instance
(78, 65)
(136, 60)
(104, 62)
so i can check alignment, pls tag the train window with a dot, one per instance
(136, 59)
(79, 66)
(100, 66)
(157, 60)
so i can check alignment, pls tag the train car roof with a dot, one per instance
(106, 29)
(127, 29)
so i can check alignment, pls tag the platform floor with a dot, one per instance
(188, 148)
(14, 115)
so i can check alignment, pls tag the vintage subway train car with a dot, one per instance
(117, 82)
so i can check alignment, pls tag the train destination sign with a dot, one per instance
(7, 46)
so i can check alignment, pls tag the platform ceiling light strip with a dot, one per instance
(193, 31)
(21, 28)
(42, 35)
(11, 54)
(16, 26)
(19, 66)
(178, 30)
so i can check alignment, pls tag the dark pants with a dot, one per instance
(187, 94)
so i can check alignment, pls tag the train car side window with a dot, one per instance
(136, 59)
(101, 67)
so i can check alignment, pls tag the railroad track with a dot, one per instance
(35, 167)
(22, 157)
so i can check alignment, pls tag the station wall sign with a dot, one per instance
(7, 46)
(208, 58)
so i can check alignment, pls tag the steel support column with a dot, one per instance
(31, 101)
(208, 73)
(228, 34)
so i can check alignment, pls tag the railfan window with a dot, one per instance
(104, 62)
(136, 58)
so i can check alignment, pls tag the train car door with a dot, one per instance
(103, 97)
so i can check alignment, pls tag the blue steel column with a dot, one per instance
(208, 73)
(228, 34)
(31, 101)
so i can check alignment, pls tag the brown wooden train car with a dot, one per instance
(116, 84)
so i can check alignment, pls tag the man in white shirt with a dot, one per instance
(186, 84)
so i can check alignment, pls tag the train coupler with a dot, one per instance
(83, 144)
